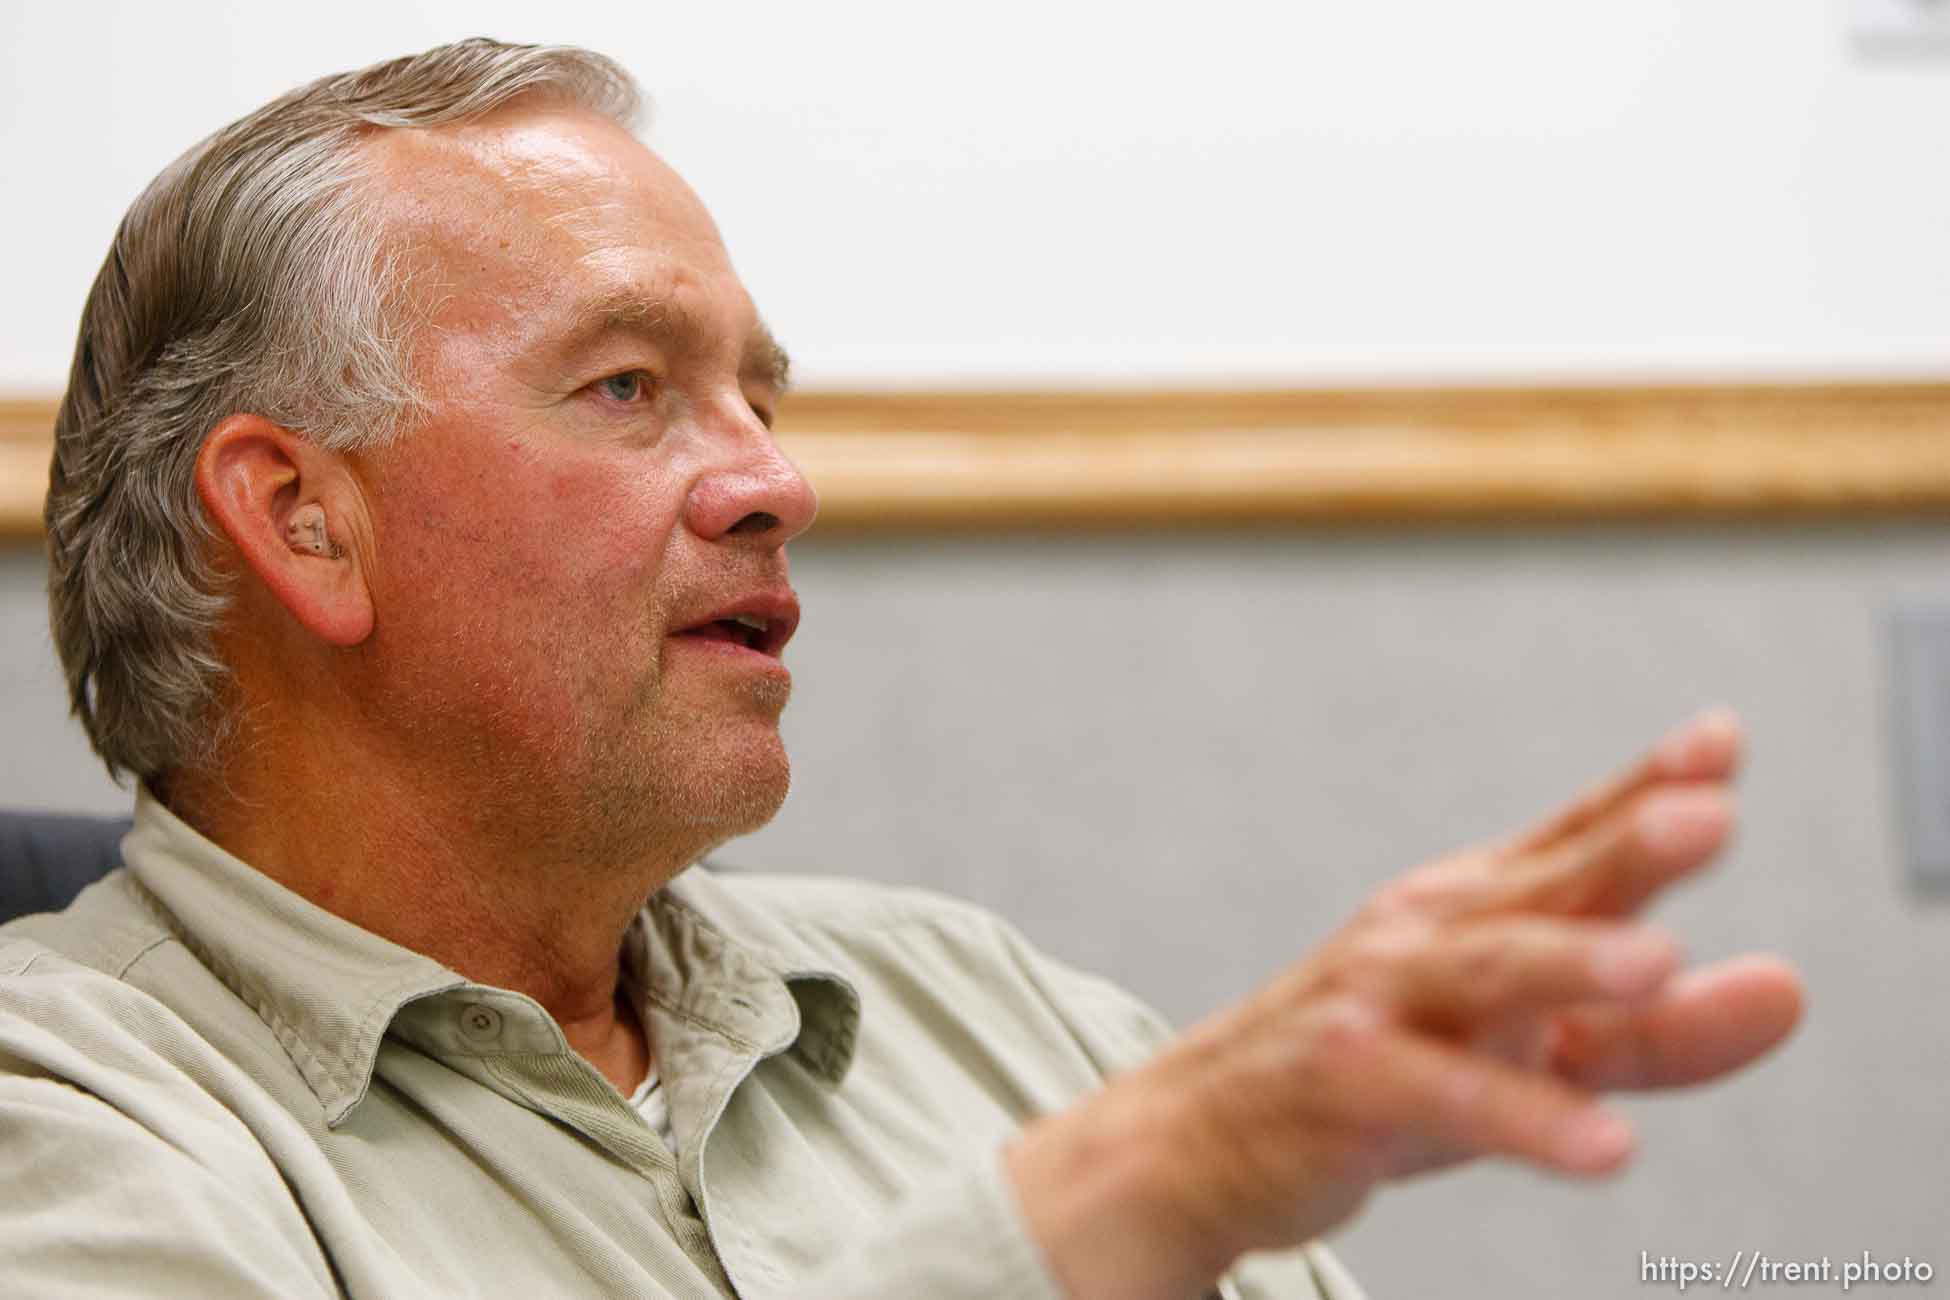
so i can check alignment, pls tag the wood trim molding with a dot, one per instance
(937, 460)
(25, 442)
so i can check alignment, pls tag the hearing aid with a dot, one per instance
(306, 532)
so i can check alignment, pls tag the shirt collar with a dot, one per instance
(330, 990)
(704, 938)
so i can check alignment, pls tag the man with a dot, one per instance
(418, 540)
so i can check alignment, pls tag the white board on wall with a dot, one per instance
(1078, 193)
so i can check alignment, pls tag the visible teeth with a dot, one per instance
(752, 621)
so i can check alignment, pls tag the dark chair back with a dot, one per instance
(48, 858)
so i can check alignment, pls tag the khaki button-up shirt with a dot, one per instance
(210, 1086)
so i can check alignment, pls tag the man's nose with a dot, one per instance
(759, 495)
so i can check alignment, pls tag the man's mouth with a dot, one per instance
(747, 630)
(761, 623)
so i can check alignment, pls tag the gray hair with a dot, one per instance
(253, 275)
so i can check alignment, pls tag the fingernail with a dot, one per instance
(1684, 821)
(1633, 963)
(1674, 753)
(1594, 1139)
(1670, 753)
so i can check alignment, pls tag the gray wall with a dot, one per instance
(1179, 759)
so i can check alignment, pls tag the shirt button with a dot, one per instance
(480, 1023)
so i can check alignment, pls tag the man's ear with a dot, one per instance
(294, 512)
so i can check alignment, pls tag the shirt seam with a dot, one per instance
(122, 972)
(698, 1022)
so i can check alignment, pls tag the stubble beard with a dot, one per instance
(645, 787)
(671, 783)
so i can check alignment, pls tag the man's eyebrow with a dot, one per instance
(667, 319)
(766, 361)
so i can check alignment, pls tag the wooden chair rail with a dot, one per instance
(998, 461)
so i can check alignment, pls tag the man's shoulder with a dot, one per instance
(109, 1098)
(71, 1012)
(67, 968)
(107, 928)
(78, 1002)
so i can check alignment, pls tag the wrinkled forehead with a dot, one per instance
(498, 218)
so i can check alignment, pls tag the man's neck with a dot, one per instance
(425, 871)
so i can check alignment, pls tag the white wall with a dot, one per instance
(1023, 190)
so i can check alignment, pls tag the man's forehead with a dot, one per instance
(531, 182)
(548, 213)
(526, 145)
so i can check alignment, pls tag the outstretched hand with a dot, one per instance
(1475, 1006)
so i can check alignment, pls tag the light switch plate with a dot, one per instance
(1901, 27)
(1919, 714)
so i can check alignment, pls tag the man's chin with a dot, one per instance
(736, 796)
(732, 818)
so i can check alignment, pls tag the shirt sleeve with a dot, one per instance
(1121, 1031)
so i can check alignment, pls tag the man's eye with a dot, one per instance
(626, 387)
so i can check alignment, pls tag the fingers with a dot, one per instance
(1706, 749)
(1396, 1083)
(1705, 1024)
(1605, 855)
(1608, 869)
(1491, 970)
(1614, 867)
